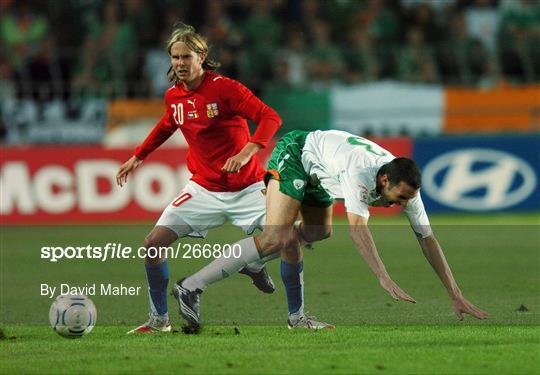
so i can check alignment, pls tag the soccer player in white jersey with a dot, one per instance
(306, 173)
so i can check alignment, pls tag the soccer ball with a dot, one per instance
(72, 315)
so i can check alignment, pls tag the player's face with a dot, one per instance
(187, 64)
(399, 194)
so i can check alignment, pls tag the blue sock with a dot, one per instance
(292, 277)
(158, 279)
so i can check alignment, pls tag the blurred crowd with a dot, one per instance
(116, 48)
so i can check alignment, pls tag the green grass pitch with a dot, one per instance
(495, 259)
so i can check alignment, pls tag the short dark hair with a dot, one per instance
(402, 169)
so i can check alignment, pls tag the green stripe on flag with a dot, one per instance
(300, 109)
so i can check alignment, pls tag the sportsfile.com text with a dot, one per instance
(118, 251)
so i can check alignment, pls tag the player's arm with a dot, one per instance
(435, 256)
(361, 236)
(125, 169)
(244, 103)
(419, 221)
(161, 132)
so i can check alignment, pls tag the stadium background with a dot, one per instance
(85, 79)
(454, 84)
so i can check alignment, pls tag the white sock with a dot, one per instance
(222, 267)
(258, 265)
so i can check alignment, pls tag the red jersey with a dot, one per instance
(212, 119)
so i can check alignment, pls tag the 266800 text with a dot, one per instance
(212, 251)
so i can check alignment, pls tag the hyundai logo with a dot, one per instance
(478, 179)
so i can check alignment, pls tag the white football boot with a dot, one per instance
(154, 324)
(308, 322)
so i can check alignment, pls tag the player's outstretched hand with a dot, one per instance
(395, 291)
(234, 163)
(126, 169)
(462, 306)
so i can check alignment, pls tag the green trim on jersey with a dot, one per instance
(285, 166)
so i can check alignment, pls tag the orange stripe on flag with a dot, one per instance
(515, 109)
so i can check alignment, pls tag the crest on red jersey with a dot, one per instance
(212, 110)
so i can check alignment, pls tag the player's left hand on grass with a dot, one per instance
(395, 291)
(462, 306)
(234, 163)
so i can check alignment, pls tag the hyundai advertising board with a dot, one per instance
(480, 174)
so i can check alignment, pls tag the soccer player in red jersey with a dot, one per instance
(227, 182)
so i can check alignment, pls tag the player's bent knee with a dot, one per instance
(272, 247)
(270, 244)
(327, 232)
(315, 233)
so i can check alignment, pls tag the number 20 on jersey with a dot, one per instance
(178, 113)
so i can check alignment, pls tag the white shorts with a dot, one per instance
(195, 210)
